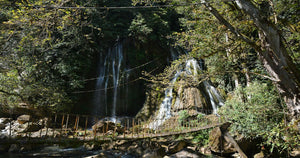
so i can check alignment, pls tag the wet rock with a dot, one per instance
(236, 155)
(204, 150)
(2, 126)
(14, 148)
(91, 146)
(259, 155)
(192, 97)
(152, 154)
(176, 146)
(26, 147)
(3, 136)
(4, 120)
(102, 155)
(32, 127)
(105, 126)
(184, 153)
(295, 153)
(4, 148)
(218, 144)
(23, 119)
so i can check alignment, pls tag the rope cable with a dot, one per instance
(114, 8)
(128, 70)
(113, 87)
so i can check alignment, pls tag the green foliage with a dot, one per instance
(139, 28)
(255, 112)
(283, 136)
(44, 53)
(201, 137)
(183, 116)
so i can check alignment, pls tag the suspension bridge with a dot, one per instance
(62, 127)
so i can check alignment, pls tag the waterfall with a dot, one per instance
(195, 67)
(99, 97)
(109, 71)
(116, 72)
(191, 68)
(214, 96)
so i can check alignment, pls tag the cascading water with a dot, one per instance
(165, 107)
(191, 68)
(214, 96)
(116, 73)
(108, 68)
(195, 67)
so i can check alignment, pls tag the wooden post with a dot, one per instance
(86, 122)
(132, 128)
(124, 130)
(29, 135)
(114, 132)
(106, 127)
(76, 119)
(41, 129)
(76, 125)
(53, 130)
(67, 122)
(62, 125)
(55, 118)
(103, 131)
(138, 128)
(128, 125)
(144, 130)
(77, 122)
(47, 125)
(10, 119)
(95, 130)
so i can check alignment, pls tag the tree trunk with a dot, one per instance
(275, 58)
(272, 53)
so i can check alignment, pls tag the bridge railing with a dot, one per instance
(86, 127)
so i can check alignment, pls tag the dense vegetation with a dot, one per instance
(251, 49)
(47, 51)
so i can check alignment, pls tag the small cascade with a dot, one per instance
(165, 107)
(214, 96)
(195, 66)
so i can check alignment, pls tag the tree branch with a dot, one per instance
(13, 94)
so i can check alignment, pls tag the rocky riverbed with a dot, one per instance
(26, 137)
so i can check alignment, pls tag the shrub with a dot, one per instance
(255, 112)
(183, 116)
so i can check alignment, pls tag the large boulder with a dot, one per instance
(105, 126)
(218, 144)
(14, 148)
(185, 153)
(2, 126)
(32, 127)
(4, 120)
(176, 146)
(23, 119)
(295, 153)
